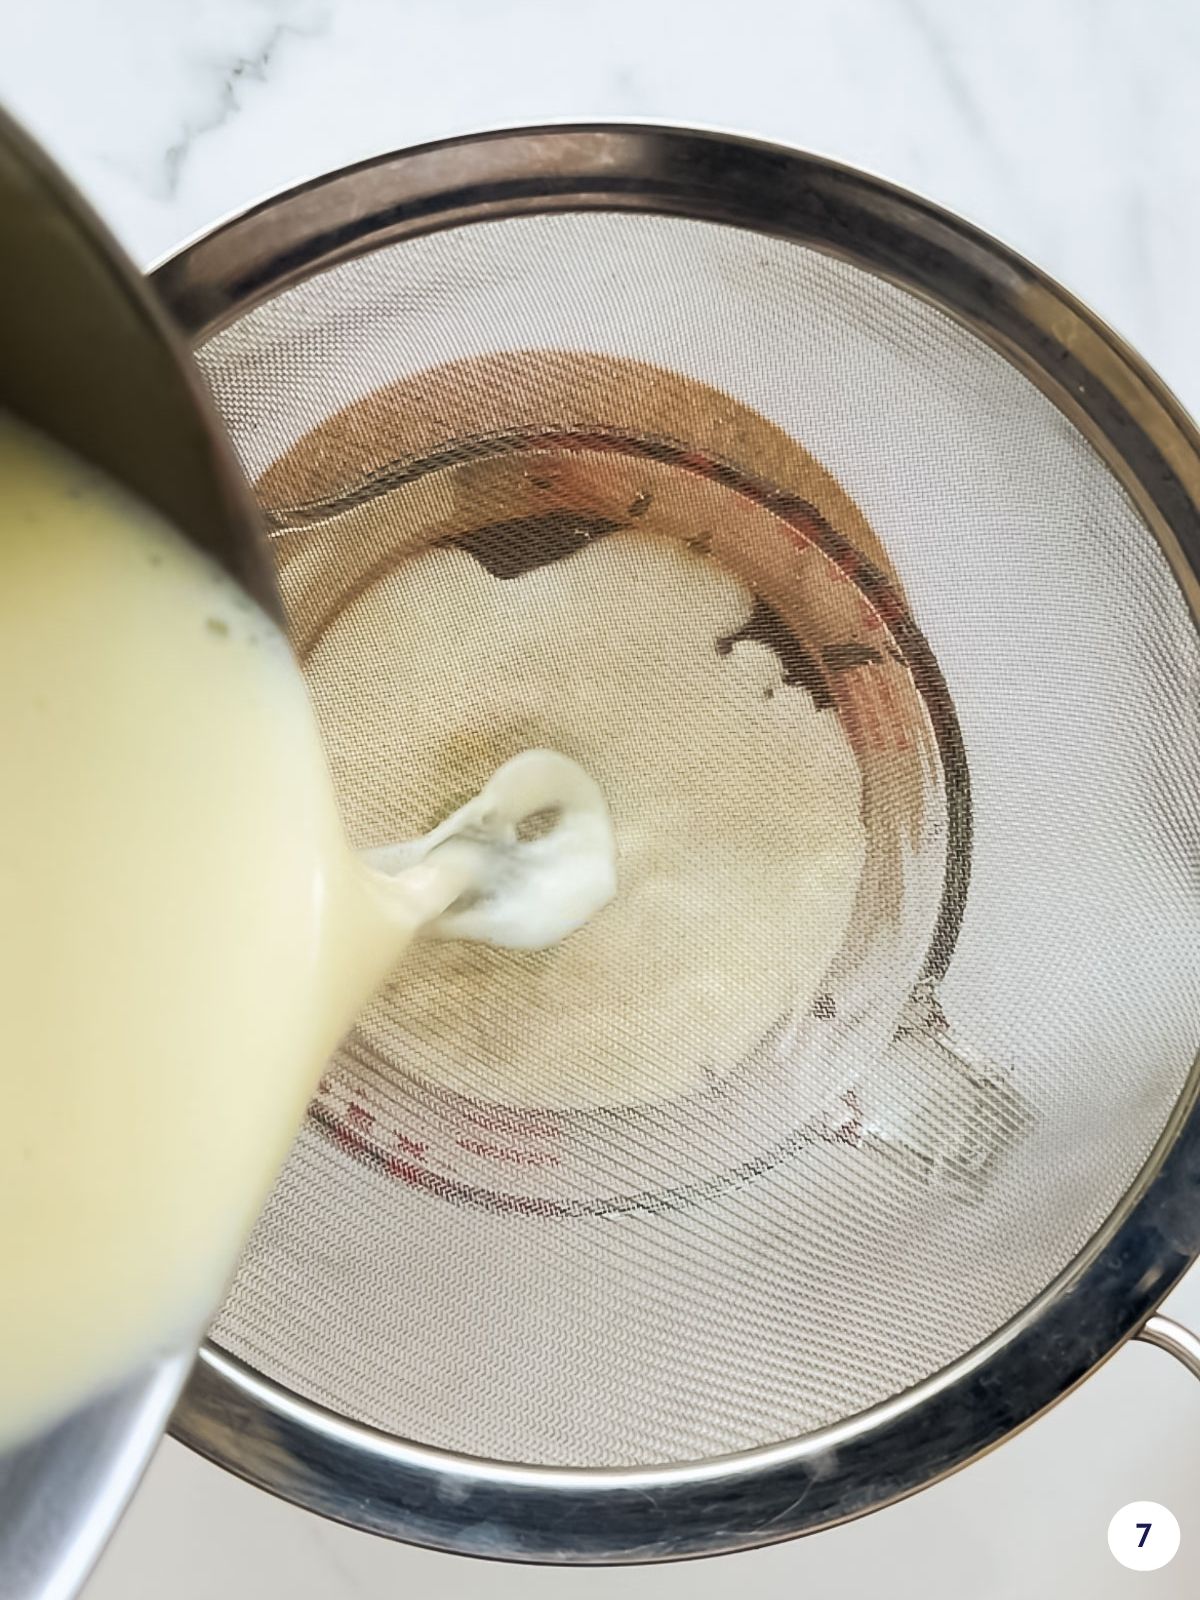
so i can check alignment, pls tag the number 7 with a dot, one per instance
(1145, 1527)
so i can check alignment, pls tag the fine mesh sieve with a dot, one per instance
(841, 546)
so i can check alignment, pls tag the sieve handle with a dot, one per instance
(1175, 1339)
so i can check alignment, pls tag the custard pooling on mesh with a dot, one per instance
(736, 804)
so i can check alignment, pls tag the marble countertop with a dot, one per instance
(1070, 128)
(1067, 127)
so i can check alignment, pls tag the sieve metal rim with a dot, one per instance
(353, 1473)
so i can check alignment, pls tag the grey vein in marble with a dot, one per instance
(231, 75)
(959, 91)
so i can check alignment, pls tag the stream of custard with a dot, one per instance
(184, 930)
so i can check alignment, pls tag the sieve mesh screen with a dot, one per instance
(760, 539)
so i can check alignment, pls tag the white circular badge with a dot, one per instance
(1143, 1536)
